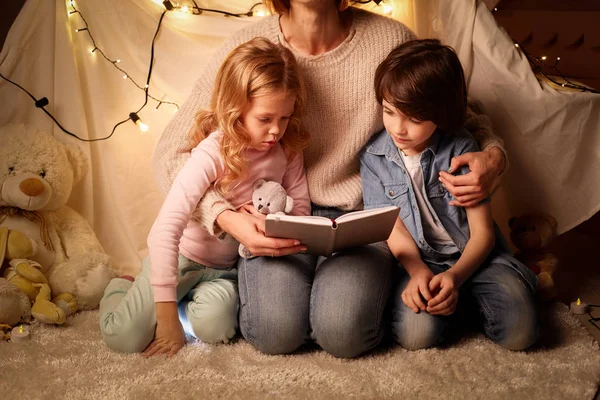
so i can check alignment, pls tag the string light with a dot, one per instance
(539, 63)
(138, 121)
(168, 6)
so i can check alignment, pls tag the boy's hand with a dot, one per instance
(169, 337)
(446, 286)
(417, 290)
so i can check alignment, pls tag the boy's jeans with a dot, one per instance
(504, 301)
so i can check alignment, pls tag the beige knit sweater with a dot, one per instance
(341, 115)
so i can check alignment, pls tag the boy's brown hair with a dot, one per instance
(424, 80)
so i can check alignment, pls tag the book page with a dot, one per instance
(361, 228)
(316, 233)
(354, 215)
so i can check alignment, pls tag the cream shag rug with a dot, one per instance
(71, 362)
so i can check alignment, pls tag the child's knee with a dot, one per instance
(212, 323)
(515, 324)
(417, 331)
(124, 338)
(214, 327)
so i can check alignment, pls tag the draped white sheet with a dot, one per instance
(551, 136)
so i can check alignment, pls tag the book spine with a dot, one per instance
(331, 240)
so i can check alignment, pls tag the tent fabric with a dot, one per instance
(551, 135)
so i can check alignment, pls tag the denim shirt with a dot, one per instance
(385, 181)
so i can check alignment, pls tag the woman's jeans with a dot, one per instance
(337, 301)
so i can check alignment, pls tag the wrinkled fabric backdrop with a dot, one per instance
(552, 136)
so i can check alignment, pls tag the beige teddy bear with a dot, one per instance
(37, 174)
(268, 197)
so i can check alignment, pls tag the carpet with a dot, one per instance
(72, 362)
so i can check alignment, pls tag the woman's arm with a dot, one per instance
(485, 166)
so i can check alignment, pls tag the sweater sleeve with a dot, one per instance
(201, 169)
(480, 126)
(296, 186)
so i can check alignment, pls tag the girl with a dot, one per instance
(250, 131)
(448, 253)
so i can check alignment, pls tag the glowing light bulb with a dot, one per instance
(544, 58)
(143, 126)
(185, 9)
(260, 13)
(159, 2)
(21, 329)
(138, 121)
(124, 76)
(117, 61)
(516, 44)
(387, 9)
(578, 301)
(557, 58)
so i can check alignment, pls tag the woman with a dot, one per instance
(292, 298)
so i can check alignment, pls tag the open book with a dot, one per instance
(324, 236)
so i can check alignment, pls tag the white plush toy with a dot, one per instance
(268, 197)
(37, 174)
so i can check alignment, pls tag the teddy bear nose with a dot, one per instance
(32, 187)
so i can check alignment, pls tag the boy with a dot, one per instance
(448, 253)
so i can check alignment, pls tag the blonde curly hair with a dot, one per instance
(253, 69)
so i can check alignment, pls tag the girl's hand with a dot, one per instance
(169, 337)
(471, 188)
(248, 229)
(417, 290)
(446, 286)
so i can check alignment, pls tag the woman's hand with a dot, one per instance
(446, 286)
(169, 337)
(248, 227)
(471, 188)
(417, 290)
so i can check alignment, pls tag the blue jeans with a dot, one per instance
(338, 301)
(504, 301)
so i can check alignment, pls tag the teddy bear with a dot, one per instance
(37, 175)
(26, 276)
(531, 233)
(268, 197)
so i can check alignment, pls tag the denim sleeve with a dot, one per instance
(372, 188)
(467, 144)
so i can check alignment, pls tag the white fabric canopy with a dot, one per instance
(551, 136)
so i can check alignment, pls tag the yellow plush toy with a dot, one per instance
(26, 275)
(531, 234)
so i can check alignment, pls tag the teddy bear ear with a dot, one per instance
(289, 205)
(258, 183)
(78, 160)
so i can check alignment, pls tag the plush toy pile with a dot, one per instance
(268, 197)
(48, 248)
(531, 234)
